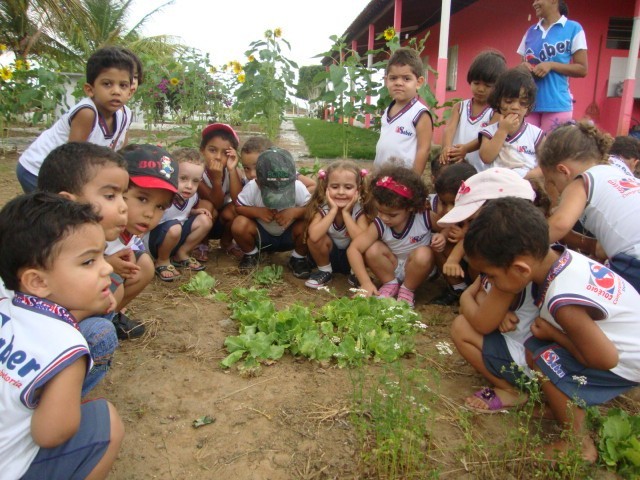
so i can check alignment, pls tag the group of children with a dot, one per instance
(527, 303)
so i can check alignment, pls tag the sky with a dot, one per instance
(224, 29)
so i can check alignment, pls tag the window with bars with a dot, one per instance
(619, 33)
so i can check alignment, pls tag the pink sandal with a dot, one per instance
(388, 290)
(406, 295)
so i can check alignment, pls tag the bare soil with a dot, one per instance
(292, 421)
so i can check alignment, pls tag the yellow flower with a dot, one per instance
(251, 58)
(237, 68)
(277, 32)
(3, 48)
(22, 64)
(389, 33)
(241, 78)
(174, 81)
(213, 70)
(6, 73)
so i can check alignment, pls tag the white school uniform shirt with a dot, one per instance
(518, 152)
(250, 196)
(180, 209)
(526, 309)
(611, 214)
(577, 280)
(619, 163)
(398, 136)
(125, 240)
(225, 184)
(340, 235)
(58, 134)
(468, 129)
(416, 233)
(38, 339)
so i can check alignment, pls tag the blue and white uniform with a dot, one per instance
(416, 233)
(398, 135)
(339, 234)
(58, 134)
(518, 152)
(620, 164)
(206, 179)
(468, 129)
(38, 339)
(179, 209)
(125, 240)
(556, 44)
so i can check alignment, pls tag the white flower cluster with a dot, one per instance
(444, 348)
(358, 292)
(581, 379)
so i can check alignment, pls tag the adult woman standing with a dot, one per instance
(553, 49)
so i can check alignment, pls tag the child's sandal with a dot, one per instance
(189, 263)
(161, 271)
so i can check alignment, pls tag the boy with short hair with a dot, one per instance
(271, 213)
(57, 271)
(586, 341)
(101, 117)
(153, 182)
(407, 126)
(625, 154)
(185, 224)
(95, 175)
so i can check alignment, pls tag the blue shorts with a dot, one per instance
(218, 228)
(586, 386)
(28, 181)
(275, 243)
(339, 260)
(498, 359)
(627, 267)
(78, 456)
(157, 235)
(101, 337)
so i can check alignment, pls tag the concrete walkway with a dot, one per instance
(290, 140)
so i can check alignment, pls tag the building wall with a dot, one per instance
(500, 24)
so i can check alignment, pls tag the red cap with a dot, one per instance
(220, 126)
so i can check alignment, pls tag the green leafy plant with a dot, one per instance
(619, 445)
(268, 275)
(349, 331)
(201, 284)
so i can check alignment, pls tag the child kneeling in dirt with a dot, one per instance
(586, 342)
(271, 212)
(57, 270)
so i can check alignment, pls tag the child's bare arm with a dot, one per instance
(123, 263)
(235, 182)
(308, 182)
(490, 147)
(572, 204)
(355, 254)
(319, 225)
(458, 152)
(424, 132)
(57, 417)
(262, 213)
(449, 133)
(452, 266)
(489, 314)
(81, 125)
(581, 337)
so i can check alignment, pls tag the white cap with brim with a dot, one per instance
(483, 186)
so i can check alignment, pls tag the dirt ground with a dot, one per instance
(291, 422)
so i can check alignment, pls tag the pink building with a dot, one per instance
(476, 25)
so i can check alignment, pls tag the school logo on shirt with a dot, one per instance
(417, 238)
(625, 186)
(602, 281)
(547, 51)
(403, 131)
(526, 150)
(551, 358)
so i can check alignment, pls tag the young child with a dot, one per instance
(270, 213)
(407, 127)
(512, 142)
(57, 271)
(397, 245)
(625, 154)
(101, 118)
(447, 186)
(184, 225)
(470, 116)
(335, 216)
(586, 341)
(218, 145)
(138, 72)
(153, 182)
(97, 176)
(601, 196)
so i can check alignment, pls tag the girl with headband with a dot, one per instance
(397, 245)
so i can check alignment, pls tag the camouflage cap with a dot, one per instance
(276, 177)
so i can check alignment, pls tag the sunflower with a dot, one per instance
(251, 58)
(277, 32)
(174, 81)
(3, 48)
(22, 64)
(237, 68)
(389, 33)
(6, 73)
(242, 77)
(213, 70)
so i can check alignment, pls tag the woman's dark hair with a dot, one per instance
(563, 8)
(510, 84)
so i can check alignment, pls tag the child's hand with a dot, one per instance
(232, 159)
(509, 323)
(438, 242)
(457, 232)
(266, 215)
(367, 289)
(457, 153)
(452, 269)
(216, 167)
(543, 330)
(330, 201)
(123, 263)
(284, 217)
(349, 206)
(444, 155)
(509, 123)
(201, 211)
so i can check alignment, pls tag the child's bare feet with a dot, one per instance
(556, 450)
(493, 400)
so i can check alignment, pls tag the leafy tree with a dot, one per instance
(308, 88)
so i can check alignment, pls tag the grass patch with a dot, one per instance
(332, 140)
